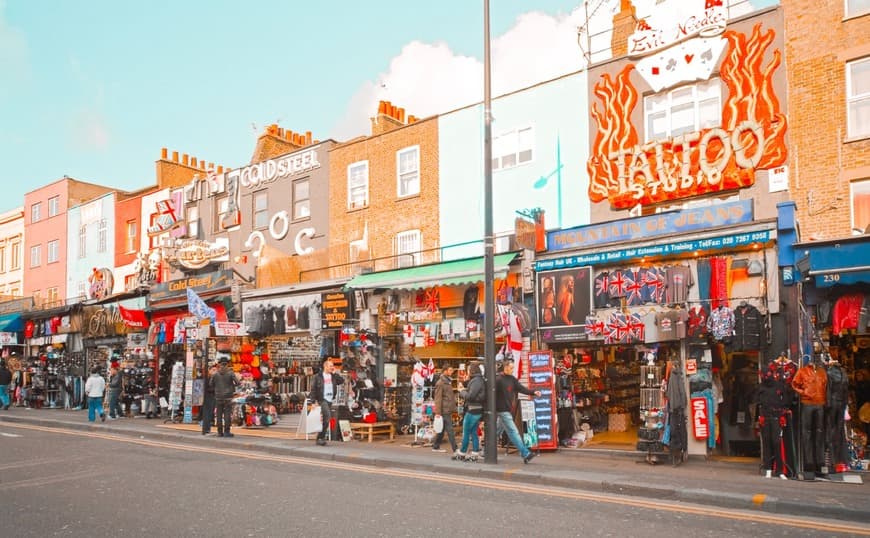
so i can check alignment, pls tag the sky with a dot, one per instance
(95, 89)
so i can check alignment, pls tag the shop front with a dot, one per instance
(689, 297)
(429, 318)
(53, 360)
(834, 277)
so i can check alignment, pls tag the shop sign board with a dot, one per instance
(201, 284)
(229, 328)
(336, 310)
(7, 339)
(700, 418)
(722, 242)
(543, 422)
(670, 223)
(196, 254)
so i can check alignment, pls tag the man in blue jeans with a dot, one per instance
(507, 387)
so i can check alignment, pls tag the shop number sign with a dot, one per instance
(700, 418)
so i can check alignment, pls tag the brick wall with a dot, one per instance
(822, 160)
(386, 215)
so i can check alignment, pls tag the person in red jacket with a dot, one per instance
(810, 383)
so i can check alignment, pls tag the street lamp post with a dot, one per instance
(490, 447)
(542, 181)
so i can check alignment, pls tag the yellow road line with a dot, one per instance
(478, 482)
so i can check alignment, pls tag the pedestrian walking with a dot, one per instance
(324, 388)
(445, 406)
(224, 384)
(113, 392)
(208, 404)
(5, 380)
(475, 399)
(95, 387)
(507, 387)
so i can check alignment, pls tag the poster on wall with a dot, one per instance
(542, 378)
(564, 300)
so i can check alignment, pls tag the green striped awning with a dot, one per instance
(452, 273)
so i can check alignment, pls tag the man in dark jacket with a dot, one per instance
(507, 387)
(5, 379)
(445, 406)
(224, 384)
(113, 391)
(324, 389)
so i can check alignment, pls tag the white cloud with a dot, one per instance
(427, 79)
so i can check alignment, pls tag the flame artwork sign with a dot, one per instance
(750, 136)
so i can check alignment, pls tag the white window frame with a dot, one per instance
(301, 204)
(81, 288)
(858, 187)
(52, 254)
(358, 185)
(260, 213)
(663, 103)
(857, 100)
(193, 221)
(513, 148)
(83, 240)
(15, 255)
(852, 8)
(52, 297)
(36, 212)
(408, 179)
(35, 256)
(132, 231)
(221, 206)
(408, 245)
(53, 206)
(103, 235)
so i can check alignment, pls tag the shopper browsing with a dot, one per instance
(507, 387)
(115, 386)
(224, 383)
(445, 406)
(324, 389)
(475, 398)
(95, 386)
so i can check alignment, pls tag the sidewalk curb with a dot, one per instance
(589, 481)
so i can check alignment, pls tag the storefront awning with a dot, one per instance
(452, 273)
(835, 262)
(11, 323)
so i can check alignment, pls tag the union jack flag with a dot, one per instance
(617, 284)
(594, 326)
(634, 288)
(654, 280)
(602, 285)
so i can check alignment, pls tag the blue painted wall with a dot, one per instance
(89, 213)
(557, 111)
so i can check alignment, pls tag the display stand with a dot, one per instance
(651, 412)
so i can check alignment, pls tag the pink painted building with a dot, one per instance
(45, 237)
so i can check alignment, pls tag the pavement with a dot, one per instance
(727, 484)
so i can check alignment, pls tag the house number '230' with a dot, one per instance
(279, 225)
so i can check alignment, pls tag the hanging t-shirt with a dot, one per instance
(667, 324)
(601, 297)
(678, 279)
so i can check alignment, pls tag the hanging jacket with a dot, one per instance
(749, 325)
(676, 392)
(837, 387)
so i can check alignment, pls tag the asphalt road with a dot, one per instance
(76, 483)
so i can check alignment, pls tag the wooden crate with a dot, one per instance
(369, 429)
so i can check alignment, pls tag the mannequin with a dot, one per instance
(770, 396)
(835, 408)
(810, 383)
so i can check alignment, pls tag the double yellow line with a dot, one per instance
(478, 482)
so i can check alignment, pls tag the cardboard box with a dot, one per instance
(617, 422)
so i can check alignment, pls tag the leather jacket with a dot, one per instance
(811, 384)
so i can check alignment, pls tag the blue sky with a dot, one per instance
(93, 89)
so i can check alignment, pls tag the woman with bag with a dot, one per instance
(475, 398)
(445, 406)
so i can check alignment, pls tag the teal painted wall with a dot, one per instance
(557, 111)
